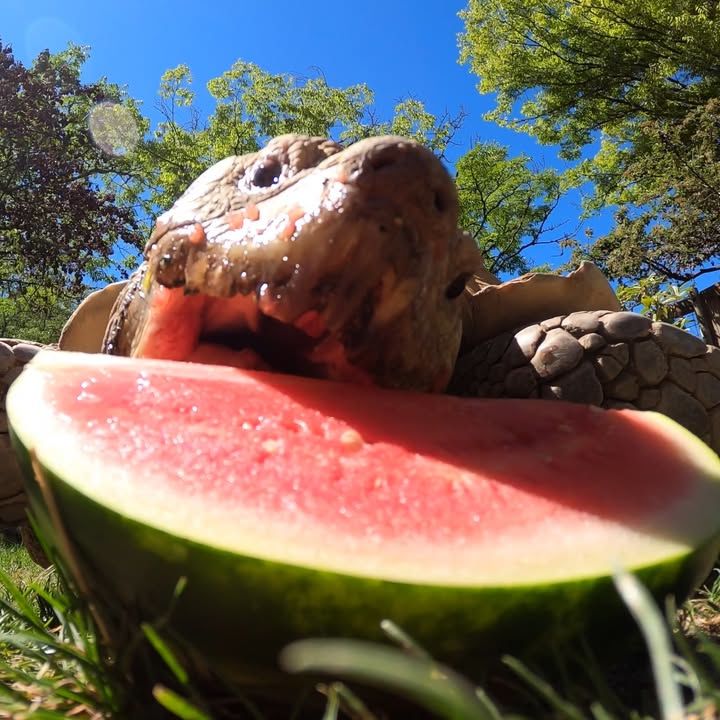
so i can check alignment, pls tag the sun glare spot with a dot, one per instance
(113, 128)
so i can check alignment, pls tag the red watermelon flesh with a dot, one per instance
(378, 483)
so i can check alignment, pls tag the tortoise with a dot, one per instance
(347, 263)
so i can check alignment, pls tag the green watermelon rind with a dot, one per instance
(236, 612)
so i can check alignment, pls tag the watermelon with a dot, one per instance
(299, 507)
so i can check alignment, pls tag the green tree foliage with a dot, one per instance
(672, 226)
(506, 205)
(58, 225)
(592, 64)
(36, 313)
(639, 79)
(252, 106)
(654, 297)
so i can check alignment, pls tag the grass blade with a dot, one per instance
(428, 683)
(657, 638)
(544, 689)
(349, 702)
(177, 705)
(401, 638)
(24, 607)
(165, 653)
(332, 706)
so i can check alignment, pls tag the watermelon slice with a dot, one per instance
(300, 507)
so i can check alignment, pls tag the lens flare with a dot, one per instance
(113, 128)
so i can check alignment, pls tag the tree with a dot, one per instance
(35, 313)
(633, 78)
(58, 223)
(584, 65)
(672, 227)
(506, 205)
(654, 297)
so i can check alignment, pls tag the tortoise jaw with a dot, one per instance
(234, 331)
(266, 344)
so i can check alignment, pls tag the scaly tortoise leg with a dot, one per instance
(604, 358)
(13, 356)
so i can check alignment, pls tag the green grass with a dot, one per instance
(54, 664)
(15, 561)
(51, 663)
(702, 613)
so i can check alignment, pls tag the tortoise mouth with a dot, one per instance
(234, 331)
(273, 345)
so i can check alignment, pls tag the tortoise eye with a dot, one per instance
(457, 286)
(267, 173)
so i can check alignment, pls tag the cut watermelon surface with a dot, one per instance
(383, 503)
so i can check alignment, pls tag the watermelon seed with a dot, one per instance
(301, 425)
(351, 440)
(271, 446)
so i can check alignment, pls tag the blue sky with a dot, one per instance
(398, 47)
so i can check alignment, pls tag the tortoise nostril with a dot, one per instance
(457, 286)
(441, 201)
(385, 158)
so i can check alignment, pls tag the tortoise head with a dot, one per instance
(308, 258)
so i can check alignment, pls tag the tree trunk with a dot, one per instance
(706, 306)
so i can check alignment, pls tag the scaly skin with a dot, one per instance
(309, 259)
